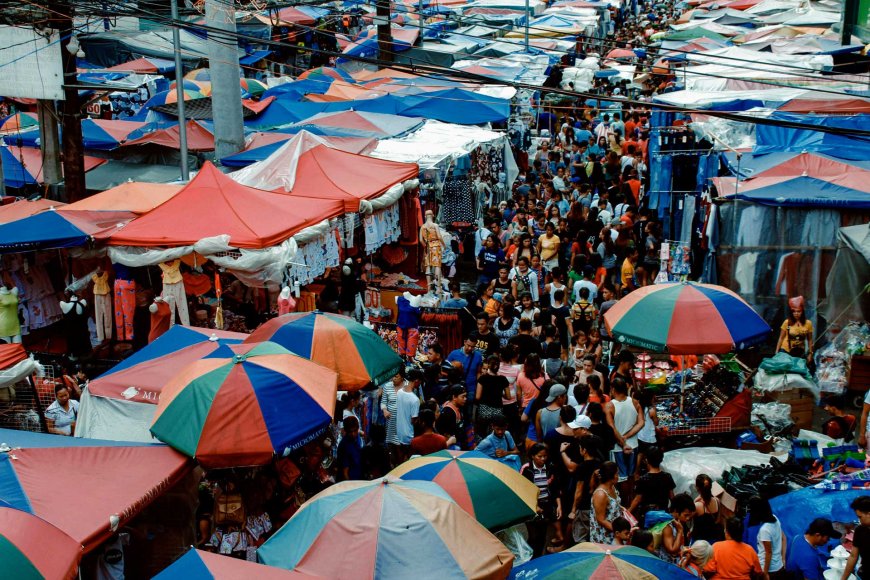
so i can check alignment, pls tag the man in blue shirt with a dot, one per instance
(805, 558)
(471, 360)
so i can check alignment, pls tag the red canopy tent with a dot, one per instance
(20, 209)
(350, 144)
(836, 106)
(198, 138)
(139, 65)
(212, 204)
(305, 168)
(116, 480)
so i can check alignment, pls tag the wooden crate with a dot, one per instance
(803, 405)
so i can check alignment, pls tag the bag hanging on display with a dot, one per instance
(229, 510)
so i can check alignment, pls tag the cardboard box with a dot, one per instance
(727, 501)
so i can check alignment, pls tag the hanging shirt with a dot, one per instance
(171, 271)
(101, 284)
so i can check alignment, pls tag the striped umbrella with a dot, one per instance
(496, 495)
(243, 403)
(253, 87)
(202, 87)
(387, 528)
(328, 72)
(686, 318)
(168, 97)
(31, 548)
(599, 562)
(18, 122)
(356, 353)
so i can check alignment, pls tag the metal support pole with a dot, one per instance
(49, 142)
(179, 91)
(526, 34)
(420, 16)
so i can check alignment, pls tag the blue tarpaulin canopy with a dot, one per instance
(776, 138)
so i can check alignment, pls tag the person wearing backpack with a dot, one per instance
(583, 313)
(524, 279)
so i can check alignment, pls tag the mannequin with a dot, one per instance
(407, 324)
(102, 305)
(430, 238)
(286, 302)
(173, 291)
(10, 330)
(160, 314)
(75, 315)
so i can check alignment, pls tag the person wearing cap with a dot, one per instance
(805, 558)
(547, 418)
(796, 333)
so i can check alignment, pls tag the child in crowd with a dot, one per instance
(540, 472)
(621, 532)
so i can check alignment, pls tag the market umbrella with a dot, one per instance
(31, 548)
(386, 528)
(17, 122)
(621, 53)
(599, 562)
(328, 72)
(253, 87)
(203, 87)
(243, 403)
(356, 353)
(496, 495)
(168, 97)
(200, 564)
(686, 318)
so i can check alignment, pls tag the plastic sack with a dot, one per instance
(771, 383)
(684, 465)
(783, 363)
(515, 539)
(774, 418)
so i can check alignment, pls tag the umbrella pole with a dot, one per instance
(683, 382)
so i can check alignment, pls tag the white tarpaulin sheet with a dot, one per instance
(114, 419)
(684, 465)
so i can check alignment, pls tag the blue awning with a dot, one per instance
(254, 57)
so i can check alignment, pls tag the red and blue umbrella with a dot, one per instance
(355, 352)
(33, 549)
(390, 528)
(242, 404)
(326, 73)
(18, 122)
(686, 318)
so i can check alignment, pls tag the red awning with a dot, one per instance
(198, 138)
(21, 209)
(11, 354)
(212, 204)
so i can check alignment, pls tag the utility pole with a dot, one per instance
(49, 142)
(385, 32)
(179, 91)
(71, 115)
(420, 16)
(223, 65)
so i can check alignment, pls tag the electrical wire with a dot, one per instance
(217, 33)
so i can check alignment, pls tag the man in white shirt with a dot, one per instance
(407, 409)
(586, 282)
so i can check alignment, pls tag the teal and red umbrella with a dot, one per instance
(33, 549)
(253, 87)
(18, 122)
(496, 495)
(355, 352)
(686, 318)
(242, 404)
(599, 562)
(390, 528)
(169, 97)
(199, 564)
